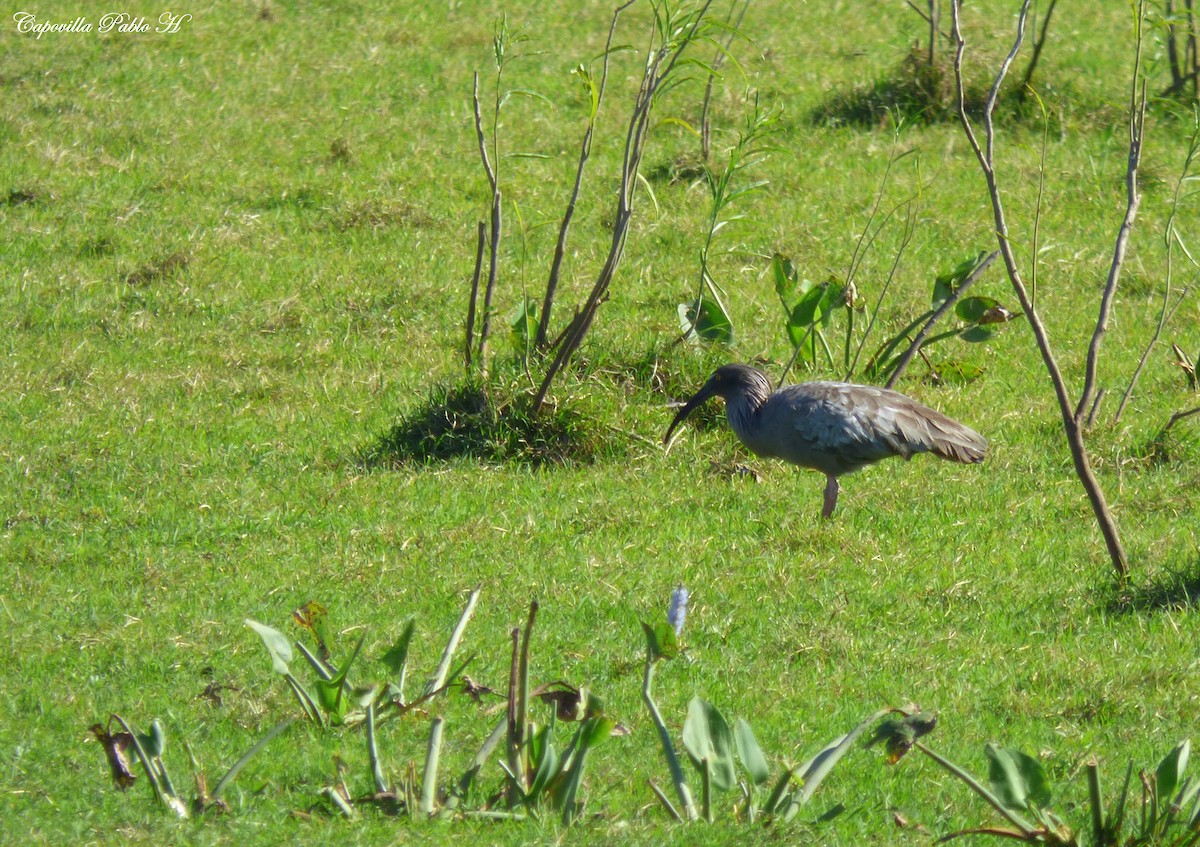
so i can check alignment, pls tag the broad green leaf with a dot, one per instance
(1170, 771)
(156, 741)
(1017, 779)
(946, 284)
(397, 656)
(331, 693)
(958, 373)
(784, 274)
(545, 757)
(979, 334)
(661, 640)
(971, 309)
(710, 323)
(707, 738)
(276, 643)
(750, 754)
(596, 729)
(817, 305)
(523, 326)
(332, 700)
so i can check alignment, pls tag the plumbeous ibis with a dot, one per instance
(832, 427)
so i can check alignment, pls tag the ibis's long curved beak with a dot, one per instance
(698, 398)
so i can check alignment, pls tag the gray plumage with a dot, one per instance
(833, 427)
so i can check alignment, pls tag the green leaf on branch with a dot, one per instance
(946, 284)
(523, 328)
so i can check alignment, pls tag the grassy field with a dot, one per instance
(236, 258)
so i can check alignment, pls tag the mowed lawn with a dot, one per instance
(237, 256)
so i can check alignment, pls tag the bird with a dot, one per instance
(833, 427)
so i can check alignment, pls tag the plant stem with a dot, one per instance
(481, 238)
(485, 322)
(674, 38)
(373, 750)
(1016, 820)
(429, 783)
(439, 676)
(1095, 802)
(665, 800)
(664, 737)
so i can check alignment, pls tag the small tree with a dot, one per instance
(1075, 415)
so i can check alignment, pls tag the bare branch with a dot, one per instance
(481, 238)
(483, 154)
(658, 68)
(493, 257)
(1038, 44)
(1170, 239)
(1072, 425)
(1133, 199)
(585, 152)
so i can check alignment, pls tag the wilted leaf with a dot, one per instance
(1017, 779)
(899, 734)
(568, 701)
(276, 643)
(707, 738)
(473, 689)
(1185, 363)
(315, 618)
(115, 746)
(997, 315)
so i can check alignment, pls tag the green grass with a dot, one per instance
(235, 270)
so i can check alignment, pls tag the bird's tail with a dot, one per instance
(954, 441)
(920, 429)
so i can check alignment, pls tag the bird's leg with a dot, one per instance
(831, 493)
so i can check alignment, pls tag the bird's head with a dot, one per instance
(726, 382)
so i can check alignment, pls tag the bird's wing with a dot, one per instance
(835, 428)
(840, 427)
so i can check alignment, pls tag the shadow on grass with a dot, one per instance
(466, 421)
(1174, 591)
(918, 92)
